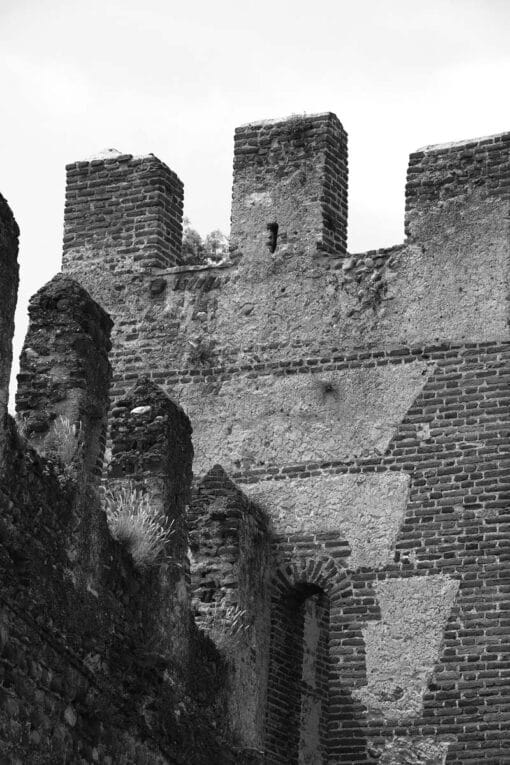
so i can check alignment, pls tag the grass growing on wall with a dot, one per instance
(135, 524)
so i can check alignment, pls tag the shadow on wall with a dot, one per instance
(311, 715)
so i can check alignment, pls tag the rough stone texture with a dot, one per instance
(82, 678)
(230, 550)
(151, 448)
(89, 671)
(291, 174)
(64, 367)
(9, 233)
(402, 649)
(367, 510)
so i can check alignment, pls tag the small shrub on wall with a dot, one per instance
(134, 523)
(225, 626)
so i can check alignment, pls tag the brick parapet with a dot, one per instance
(124, 210)
(437, 174)
(305, 158)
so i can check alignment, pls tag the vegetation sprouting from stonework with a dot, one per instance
(197, 251)
(226, 626)
(62, 446)
(64, 441)
(133, 522)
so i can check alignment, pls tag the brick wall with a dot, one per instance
(293, 173)
(124, 210)
(438, 174)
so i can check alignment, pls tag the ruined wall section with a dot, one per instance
(9, 233)
(65, 373)
(230, 549)
(152, 453)
(84, 674)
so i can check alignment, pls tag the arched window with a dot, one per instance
(316, 659)
(298, 690)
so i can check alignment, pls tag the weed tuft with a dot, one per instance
(64, 442)
(226, 626)
(134, 523)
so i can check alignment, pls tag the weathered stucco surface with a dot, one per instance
(402, 648)
(246, 422)
(367, 509)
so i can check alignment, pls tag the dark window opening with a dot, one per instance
(272, 240)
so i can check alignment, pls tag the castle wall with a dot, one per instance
(100, 660)
(362, 402)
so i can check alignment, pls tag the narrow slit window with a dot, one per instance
(272, 240)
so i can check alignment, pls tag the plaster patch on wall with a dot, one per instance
(367, 510)
(403, 750)
(269, 420)
(402, 648)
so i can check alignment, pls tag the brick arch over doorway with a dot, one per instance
(317, 658)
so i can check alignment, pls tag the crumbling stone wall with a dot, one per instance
(152, 451)
(89, 667)
(362, 401)
(64, 368)
(230, 565)
(9, 233)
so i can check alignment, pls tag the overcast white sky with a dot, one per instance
(175, 78)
